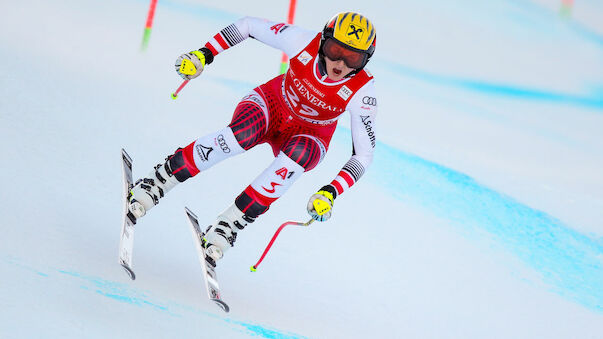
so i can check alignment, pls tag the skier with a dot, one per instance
(296, 113)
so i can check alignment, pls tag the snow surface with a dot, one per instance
(480, 217)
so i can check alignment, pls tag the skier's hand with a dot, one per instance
(190, 65)
(320, 205)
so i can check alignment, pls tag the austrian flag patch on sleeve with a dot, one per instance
(304, 57)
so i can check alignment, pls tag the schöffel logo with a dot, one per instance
(369, 101)
(223, 144)
(369, 128)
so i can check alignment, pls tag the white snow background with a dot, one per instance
(481, 216)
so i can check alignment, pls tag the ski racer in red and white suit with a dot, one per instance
(296, 113)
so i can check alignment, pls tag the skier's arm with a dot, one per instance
(287, 38)
(363, 111)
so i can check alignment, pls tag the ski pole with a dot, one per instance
(296, 223)
(175, 94)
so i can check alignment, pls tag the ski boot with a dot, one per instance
(221, 236)
(147, 191)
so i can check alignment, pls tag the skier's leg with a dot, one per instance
(246, 130)
(300, 154)
(250, 121)
(178, 167)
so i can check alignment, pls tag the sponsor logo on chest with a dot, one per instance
(302, 95)
(344, 92)
(304, 57)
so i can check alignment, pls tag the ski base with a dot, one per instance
(209, 272)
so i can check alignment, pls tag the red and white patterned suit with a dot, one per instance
(296, 113)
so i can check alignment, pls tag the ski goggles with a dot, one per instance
(334, 50)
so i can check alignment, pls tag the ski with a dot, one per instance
(209, 272)
(126, 242)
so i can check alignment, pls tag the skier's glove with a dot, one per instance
(320, 204)
(190, 65)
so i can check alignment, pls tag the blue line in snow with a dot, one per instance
(578, 28)
(568, 260)
(125, 294)
(592, 101)
(264, 332)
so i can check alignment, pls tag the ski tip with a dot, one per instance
(253, 268)
(123, 152)
(222, 305)
(189, 212)
(126, 157)
(129, 271)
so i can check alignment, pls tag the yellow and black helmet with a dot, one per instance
(353, 31)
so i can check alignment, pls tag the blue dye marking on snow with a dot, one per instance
(553, 16)
(568, 260)
(264, 332)
(118, 297)
(593, 101)
(122, 293)
(117, 291)
(16, 262)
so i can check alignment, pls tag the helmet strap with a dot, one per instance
(322, 64)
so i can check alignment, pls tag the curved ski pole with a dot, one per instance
(295, 223)
(175, 94)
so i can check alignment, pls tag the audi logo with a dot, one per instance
(369, 101)
(223, 144)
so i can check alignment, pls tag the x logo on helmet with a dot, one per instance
(355, 31)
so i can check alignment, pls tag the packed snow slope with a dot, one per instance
(480, 217)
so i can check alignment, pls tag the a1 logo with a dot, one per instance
(284, 173)
(276, 28)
